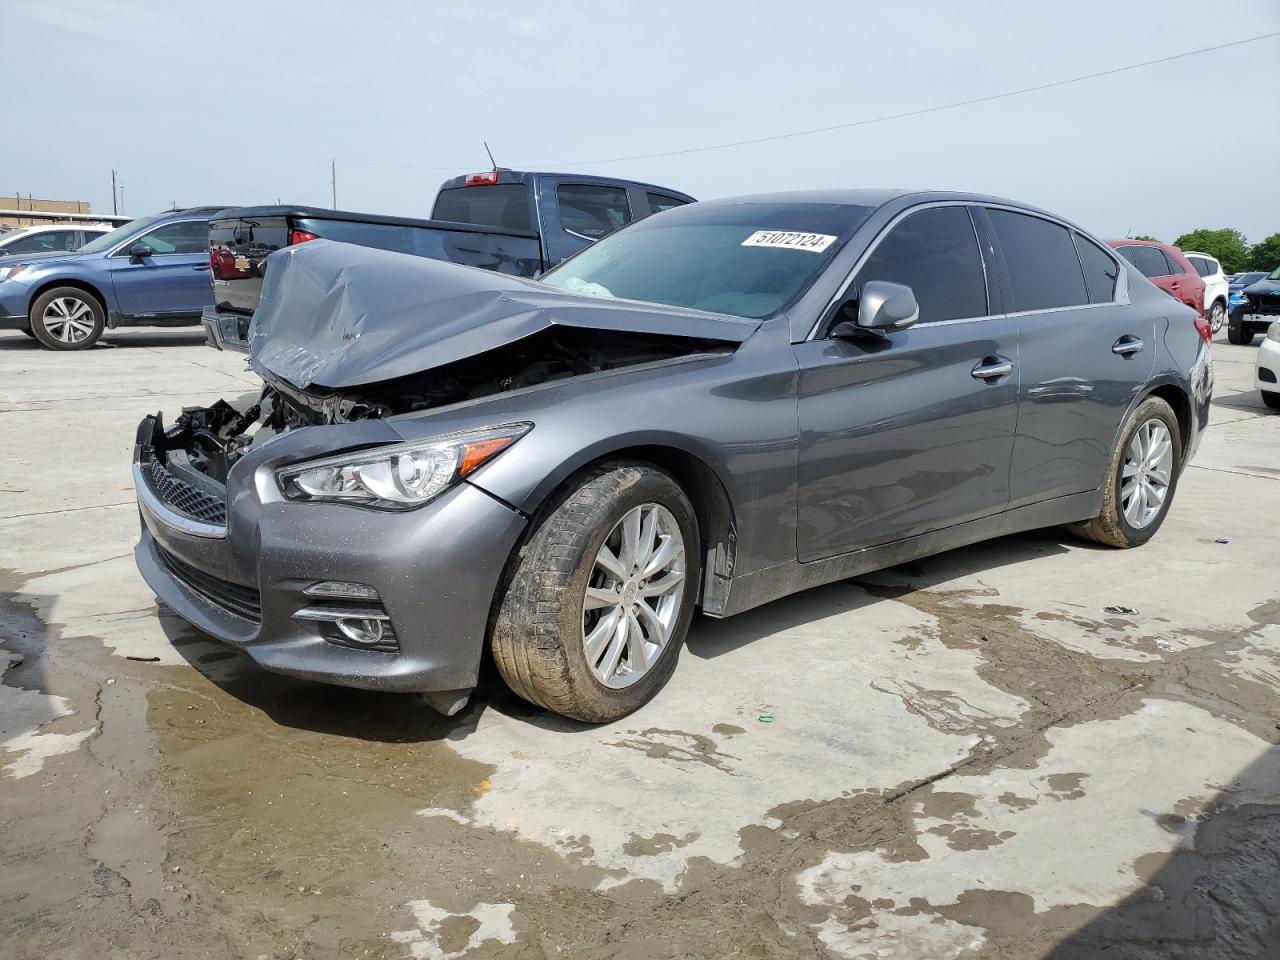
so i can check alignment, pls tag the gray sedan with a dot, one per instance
(715, 407)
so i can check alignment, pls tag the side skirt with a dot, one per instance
(753, 589)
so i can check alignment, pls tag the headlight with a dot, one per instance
(401, 476)
(1273, 332)
(8, 273)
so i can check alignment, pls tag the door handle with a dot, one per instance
(1127, 345)
(992, 368)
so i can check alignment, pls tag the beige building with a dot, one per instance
(18, 202)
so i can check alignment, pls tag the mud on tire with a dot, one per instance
(537, 632)
(1110, 526)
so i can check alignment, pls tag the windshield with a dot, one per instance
(109, 240)
(1275, 274)
(745, 259)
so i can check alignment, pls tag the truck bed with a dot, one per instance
(241, 240)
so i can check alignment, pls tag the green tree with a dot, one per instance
(1143, 236)
(1227, 245)
(1265, 255)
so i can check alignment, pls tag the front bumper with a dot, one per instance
(1266, 372)
(436, 570)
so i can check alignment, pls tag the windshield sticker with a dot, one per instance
(813, 242)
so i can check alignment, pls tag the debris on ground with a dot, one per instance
(1120, 611)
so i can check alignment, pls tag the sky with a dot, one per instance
(234, 104)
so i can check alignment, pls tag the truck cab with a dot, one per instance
(568, 211)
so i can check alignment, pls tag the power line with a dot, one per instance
(924, 110)
(936, 108)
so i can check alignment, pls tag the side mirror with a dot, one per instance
(882, 308)
(139, 250)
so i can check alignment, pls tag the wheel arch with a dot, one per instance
(707, 492)
(1174, 394)
(75, 282)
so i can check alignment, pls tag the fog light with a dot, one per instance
(366, 632)
(341, 590)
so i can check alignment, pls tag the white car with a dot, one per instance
(51, 238)
(1267, 371)
(1216, 287)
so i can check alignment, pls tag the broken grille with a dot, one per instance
(186, 499)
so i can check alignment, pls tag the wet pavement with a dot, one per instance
(1034, 747)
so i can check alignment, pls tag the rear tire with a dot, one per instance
(1217, 315)
(1272, 400)
(1119, 524)
(545, 640)
(67, 318)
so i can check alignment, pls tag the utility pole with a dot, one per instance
(333, 181)
(115, 208)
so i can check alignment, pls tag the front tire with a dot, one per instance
(67, 318)
(1272, 400)
(1239, 332)
(598, 600)
(1141, 479)
(1217, 315)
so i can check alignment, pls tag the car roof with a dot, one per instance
(876, 197)
(1197, 253)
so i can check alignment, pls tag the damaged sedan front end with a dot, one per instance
(249, 530)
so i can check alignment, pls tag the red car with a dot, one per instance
(1166, 267)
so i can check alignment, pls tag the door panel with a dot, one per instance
(898, 438)
(174, 281)
(1075, 391)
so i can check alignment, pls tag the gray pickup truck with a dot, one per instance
(507, 221)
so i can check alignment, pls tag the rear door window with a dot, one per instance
(934, 252)
(1150, 261)
(504, 205)
(660, 201)
(592, 211)
(1044, 270)
(1100, 270)
(1203, 267)
(1175, 267)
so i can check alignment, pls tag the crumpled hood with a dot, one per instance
(337, 315)
(1265, 287)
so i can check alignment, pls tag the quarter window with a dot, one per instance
(1044, 270)
(188, 236)
(1100, 270)
(660, 201)
(935, 253)
(591, 210)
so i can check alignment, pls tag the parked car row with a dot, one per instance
(165, 270)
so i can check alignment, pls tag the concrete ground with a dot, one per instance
(1030, 748)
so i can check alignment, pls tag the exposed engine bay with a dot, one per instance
(211, 439)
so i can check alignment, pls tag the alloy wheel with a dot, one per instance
(1146, 474)
(634, 594)
(1216, 315)
(68, 319)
